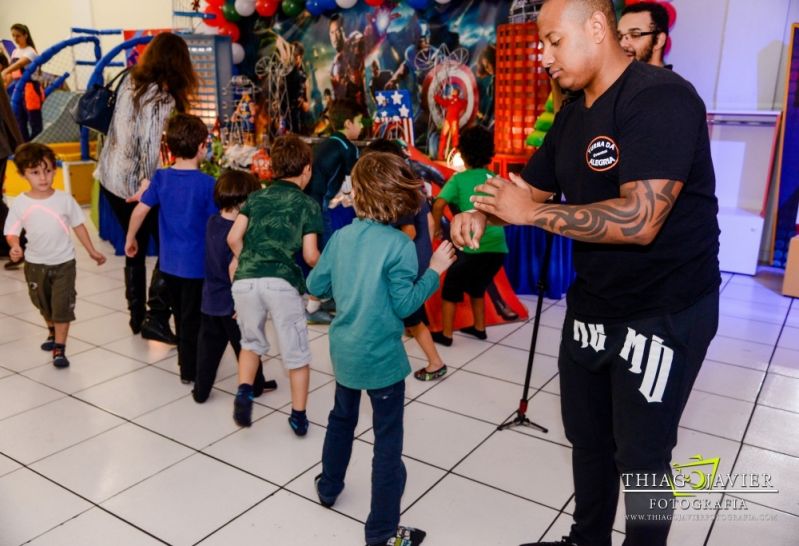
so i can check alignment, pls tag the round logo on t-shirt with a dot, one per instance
(602, 154)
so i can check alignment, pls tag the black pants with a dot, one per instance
(623, 389)
(122, 211)
(215, 334)
(185, 296)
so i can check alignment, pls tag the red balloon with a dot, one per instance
(266, 8)
(374, 3)
(230, 29)
(672, 11)
(218, 20)
(217, 3)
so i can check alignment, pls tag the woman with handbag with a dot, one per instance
(29, 117)
(163, 81)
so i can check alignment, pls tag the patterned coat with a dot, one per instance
(132, 148)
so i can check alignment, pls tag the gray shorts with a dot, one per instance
(255, 300)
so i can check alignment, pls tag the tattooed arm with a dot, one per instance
(633, 218)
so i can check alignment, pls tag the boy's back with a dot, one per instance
(186, 200)
(373, 267)
(278, 218)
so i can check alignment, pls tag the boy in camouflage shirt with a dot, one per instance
(272, 226)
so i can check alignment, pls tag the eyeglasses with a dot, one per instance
(635, 34)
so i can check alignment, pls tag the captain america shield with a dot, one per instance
(449, 72)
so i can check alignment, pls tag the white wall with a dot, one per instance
(734, 51)
(50, 20)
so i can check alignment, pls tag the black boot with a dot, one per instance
(156, 322)
(135, 293)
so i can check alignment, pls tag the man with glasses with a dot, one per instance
(643, 32)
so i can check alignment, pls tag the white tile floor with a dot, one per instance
(115, 447)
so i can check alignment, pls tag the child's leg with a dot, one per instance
(61, 332)
(447, 316)
(388, 471)
(61, 289)
(299, 379)
(479, 313)
(211, 346)
(260, 384)
(425, 340)
(337, 448)
(248, 366)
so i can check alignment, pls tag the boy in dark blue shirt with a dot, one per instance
(186, 199)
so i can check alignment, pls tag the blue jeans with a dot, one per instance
(388, 471)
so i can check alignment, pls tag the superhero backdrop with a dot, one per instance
(445, 51)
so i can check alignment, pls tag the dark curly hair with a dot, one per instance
(476, 146)
(32, 155)
(166, 63)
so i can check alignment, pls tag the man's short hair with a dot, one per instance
(605, 6)
(31, 155)
(184, 134)
(659, 15)
(340, 111)
(290, 155)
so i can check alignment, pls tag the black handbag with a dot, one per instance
(95, 108)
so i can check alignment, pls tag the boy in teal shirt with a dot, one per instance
(371, 270)
(475, 268)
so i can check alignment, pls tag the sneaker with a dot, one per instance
(564, 541)
(242, 411)
(49, 344)
(423, 375)
(60, 361)
(318, 317)
(299, 425)
(406, 536)
(472, 331)
(322, 500)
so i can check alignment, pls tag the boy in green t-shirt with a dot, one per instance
(475, 269)
(272, 226)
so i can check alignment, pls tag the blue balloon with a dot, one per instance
(315, 7)
(419, 4)
(327, 5)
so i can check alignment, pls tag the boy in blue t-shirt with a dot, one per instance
(186, 199)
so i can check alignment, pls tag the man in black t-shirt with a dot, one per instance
(632, 159)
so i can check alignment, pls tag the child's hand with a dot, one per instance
(16, 253)
(98, 257)
(131, 248)
(443, 257)
(136, 197)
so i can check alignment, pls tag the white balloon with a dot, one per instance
(346, 4)
(238, 52)
(245, 8)
(443, 1)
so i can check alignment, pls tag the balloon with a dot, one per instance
(346, 4)
(419, 4)
(217, 20)
(315, 7)
(245, 8)
(374, 3)
(292, 8)
(328, 5)
(229, 29)
(266, 8)
(238, 53)
(217, 3)
(671, 11)
(443, 1)
(230, 13)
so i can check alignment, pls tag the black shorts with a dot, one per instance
(471, 273)
(418, 317)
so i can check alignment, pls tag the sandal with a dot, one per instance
(423, 375)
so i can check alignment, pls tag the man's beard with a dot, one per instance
(646, 54)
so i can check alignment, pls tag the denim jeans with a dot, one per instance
(388, 471)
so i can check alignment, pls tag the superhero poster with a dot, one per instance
(444, 56)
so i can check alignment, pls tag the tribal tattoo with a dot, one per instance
(634, 218)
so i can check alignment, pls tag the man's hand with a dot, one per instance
(443, 257)
(467, 229)
(16, 253)
(509, 200)
(131, 248)
(97, 257)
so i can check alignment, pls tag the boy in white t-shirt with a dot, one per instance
(47, 215)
